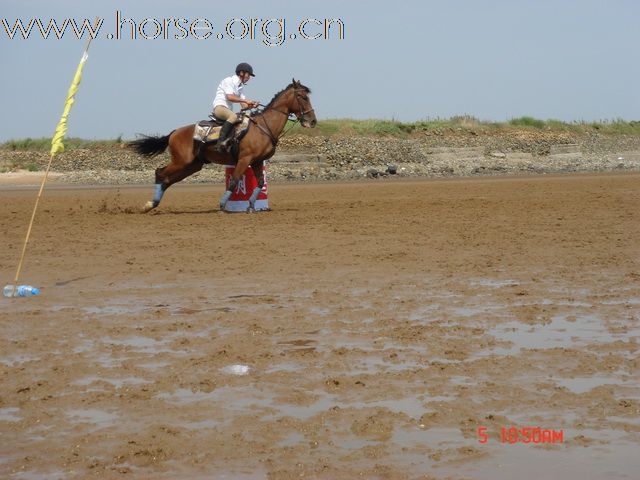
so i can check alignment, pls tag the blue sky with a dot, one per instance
(406, 60)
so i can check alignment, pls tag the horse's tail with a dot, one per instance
(150, 146)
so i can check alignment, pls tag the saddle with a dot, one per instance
(208, 131)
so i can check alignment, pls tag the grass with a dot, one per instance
(44, 143)
(527, 122)
(394, 128)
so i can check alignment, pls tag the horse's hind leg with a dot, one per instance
(183, 163)
(160, 187)
(167, 176)
(158, 192)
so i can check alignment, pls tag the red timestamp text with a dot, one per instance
(524, 435)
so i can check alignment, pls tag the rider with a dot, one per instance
(229, 92)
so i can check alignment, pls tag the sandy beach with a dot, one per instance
(360, 329)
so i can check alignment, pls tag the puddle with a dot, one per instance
(270, 406)
(435, 311)
(619, 460)
(373, 364)
(153, 365)
(230, 398)
(304, 412)
(297, 343)
(424, 313)
(236, 369)
(356, 443)
(436, 437)
(630, 420)
(15, 360)
(472, 311)
(144, 344)
(301, 345)
(106, 360)
(493, 283)
(613, 455)
(354, 344)
(296, 439)
(462, 380)
(9, 414)
(99, 418)
(85, 346)
(410, 406)
(202, 424)
(628, 301)
(285, 367)
(439, 398)
(116, 382)
(292, 440)
(584, 384)
(184, 396)
(192, 311)
(239, 400)
(115, 310)
(39, 475)
(320, 311)
(559, 333)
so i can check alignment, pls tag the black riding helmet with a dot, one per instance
(244, 67)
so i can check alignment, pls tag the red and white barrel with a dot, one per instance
(239, 200)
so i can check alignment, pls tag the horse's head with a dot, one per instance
(300, 105)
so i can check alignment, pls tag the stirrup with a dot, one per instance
(223, 146)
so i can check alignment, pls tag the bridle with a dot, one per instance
(299, 118)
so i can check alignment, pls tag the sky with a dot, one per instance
(569, 60)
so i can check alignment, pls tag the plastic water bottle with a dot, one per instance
(20, 291)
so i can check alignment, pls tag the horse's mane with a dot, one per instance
(306, 89)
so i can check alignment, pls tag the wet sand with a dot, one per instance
(361, 330)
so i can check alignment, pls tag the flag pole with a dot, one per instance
(54, 149)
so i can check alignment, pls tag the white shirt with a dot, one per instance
(229, 86)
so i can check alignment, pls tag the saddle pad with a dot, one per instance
(208, 133)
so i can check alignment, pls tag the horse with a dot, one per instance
(258, 144)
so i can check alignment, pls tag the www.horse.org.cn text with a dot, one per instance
(271, 32)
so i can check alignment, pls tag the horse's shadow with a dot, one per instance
(182, 212)
(208, 212)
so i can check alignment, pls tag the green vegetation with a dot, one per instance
(381, 128)
(527, 122)
(44, 144)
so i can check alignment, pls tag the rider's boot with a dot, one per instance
(223, 139)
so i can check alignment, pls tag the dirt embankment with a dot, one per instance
(436, 153)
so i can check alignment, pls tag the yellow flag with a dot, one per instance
(56, 142)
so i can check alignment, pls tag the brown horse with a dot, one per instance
(257, 145)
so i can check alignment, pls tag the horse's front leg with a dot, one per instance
(241, 167)
(259, 174)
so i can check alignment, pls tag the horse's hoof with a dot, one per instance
(148, 207)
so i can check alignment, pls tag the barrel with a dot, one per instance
(239, 200)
